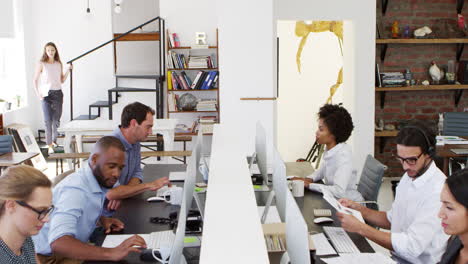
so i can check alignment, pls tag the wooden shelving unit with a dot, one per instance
(139, 36)
(214, 90)
(457, 88)
(383, 137)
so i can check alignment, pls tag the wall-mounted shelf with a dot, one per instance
(457, 88)
(139, 36)
(193, 90)
(192, 69)
(187, 47)
(385, 5)
(383, 137)
(460, 42)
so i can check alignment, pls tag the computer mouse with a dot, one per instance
(321, 220)
(155, 199)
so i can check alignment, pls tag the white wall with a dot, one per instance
(74, 31)
(246, 41)
(302, 94)
(136, 57)
(359, 59)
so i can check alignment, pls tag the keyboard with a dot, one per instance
(322, 212)
(340, 239)
(157, 239)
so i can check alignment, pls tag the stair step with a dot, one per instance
(100, 104)
(129, 89)
(86, 117)
(136, 76)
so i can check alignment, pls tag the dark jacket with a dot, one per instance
(453, 249)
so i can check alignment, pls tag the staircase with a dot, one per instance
(113, 94)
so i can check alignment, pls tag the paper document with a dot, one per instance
(359, 258)
(340, 208)
(112, 241)
(177, 175)
(322, 246)
(273, 215)
(450, 140)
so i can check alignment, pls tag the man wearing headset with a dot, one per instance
(416, 235)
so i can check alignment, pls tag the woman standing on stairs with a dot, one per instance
(49, 72)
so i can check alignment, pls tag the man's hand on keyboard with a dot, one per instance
(113, 205)
(155, 185)
(351, 204)
(111, 224)
(350, 223)
(122, 250)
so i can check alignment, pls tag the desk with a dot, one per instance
(136, 211)
(445, 153)
(15, 158)
(79, 128)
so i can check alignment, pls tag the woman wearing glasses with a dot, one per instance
(454, 216)
(25, 204)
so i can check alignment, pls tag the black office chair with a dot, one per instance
(6, 144)
(370, 181)
(456, 124)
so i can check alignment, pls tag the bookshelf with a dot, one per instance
(201, 81)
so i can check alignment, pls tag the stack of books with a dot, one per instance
(176, 61)
(206, 105)
(393, 79)
(206, 124)
(195, 62)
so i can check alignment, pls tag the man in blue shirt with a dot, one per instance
(79, 201)
(136, 125)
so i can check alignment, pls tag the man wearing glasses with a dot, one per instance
(416, 235)
(79, 201)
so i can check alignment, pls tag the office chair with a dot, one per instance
(62, 176)
(6, 144)
(456, 124)
(371, 180)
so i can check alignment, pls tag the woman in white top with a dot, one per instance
(336, 168)
(49, 90)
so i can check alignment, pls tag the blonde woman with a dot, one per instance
(50, 73)
(25, 205)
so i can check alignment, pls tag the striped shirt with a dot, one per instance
(28, 255)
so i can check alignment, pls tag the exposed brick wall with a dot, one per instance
(425, 105)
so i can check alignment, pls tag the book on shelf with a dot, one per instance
(172, 102)
(195, 81)
(171, 39)
(169, 80)
(207, 105)
(186, 79)
(201, 61)
(176, 40)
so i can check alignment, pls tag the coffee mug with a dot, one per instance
(175, 195)
(298, 188)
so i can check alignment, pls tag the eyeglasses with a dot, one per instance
(410, 160)
(41, 213)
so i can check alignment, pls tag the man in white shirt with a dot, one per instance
(416, 235)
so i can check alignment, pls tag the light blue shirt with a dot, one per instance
(132, 167)
(78, 201)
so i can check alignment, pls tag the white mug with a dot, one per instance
(298, 188)
(175, 194)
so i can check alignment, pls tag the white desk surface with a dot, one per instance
(232, 232)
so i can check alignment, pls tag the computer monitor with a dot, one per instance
(177, 249)
(297, 236)
(261, 152)
(280, 187)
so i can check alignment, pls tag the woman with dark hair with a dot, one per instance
(336, 168)
(50, 73)
(454, 215)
